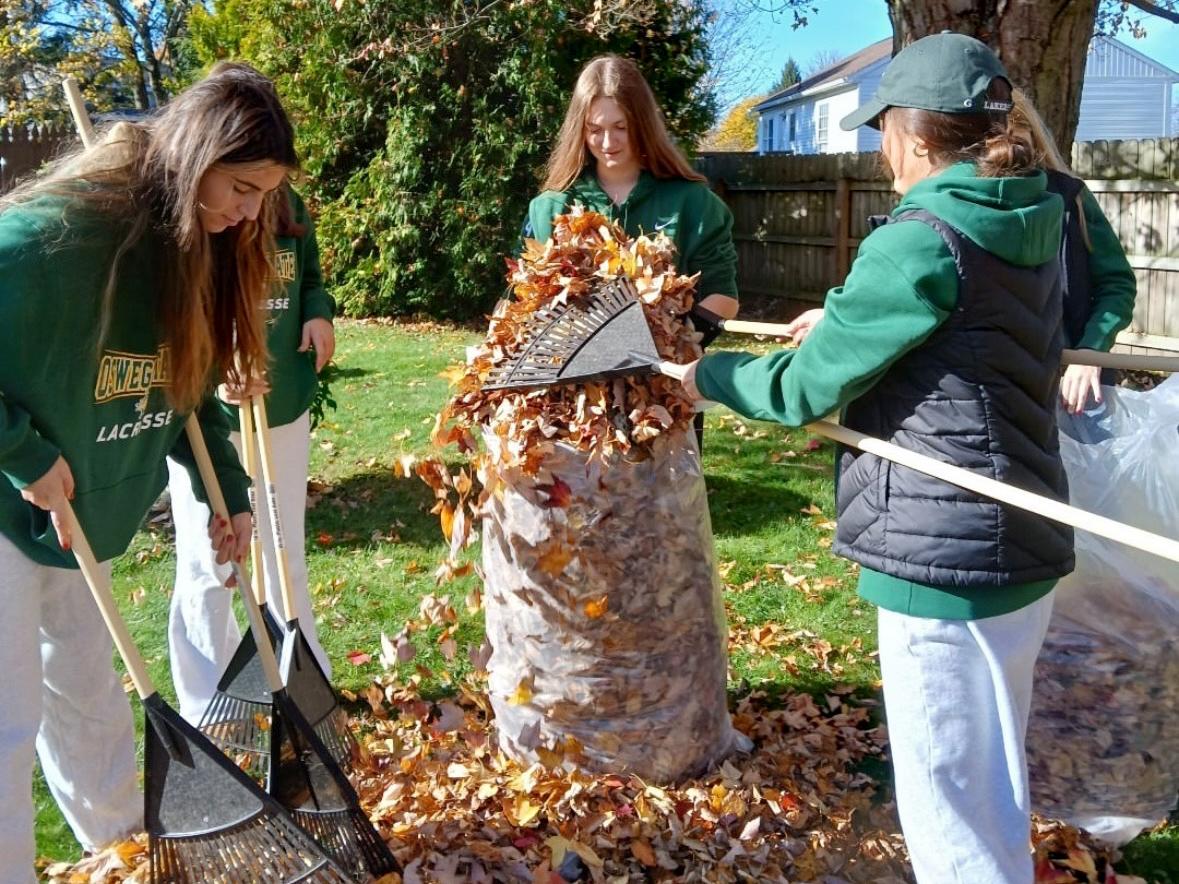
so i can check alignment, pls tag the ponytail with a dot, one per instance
(1009, 150)
(999, 143)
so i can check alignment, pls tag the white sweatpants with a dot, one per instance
(59, 691)
(202, 631)
(957, 694)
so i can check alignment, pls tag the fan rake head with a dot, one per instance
(594, 337)
(208, 823)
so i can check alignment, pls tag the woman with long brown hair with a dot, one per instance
(202, 631)
(1098, 284)
(614, 156)
(130, 279)
(946, 339)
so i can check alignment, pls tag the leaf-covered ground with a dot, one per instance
(810, 801)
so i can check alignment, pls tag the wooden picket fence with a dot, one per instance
(23, 150)
(799, 220)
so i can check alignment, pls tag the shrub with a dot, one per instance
(425, 125)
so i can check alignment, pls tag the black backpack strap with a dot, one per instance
(1075, 283)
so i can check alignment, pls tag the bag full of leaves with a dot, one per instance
(1103, 740)
(602, 600)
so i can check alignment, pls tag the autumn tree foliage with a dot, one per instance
(738, 130)
(124, 53)
(424, 125)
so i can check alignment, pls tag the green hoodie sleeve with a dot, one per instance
(314, 300)
(541, 212)
(1111, 280)
(883, 310)
(709, 249)
(234, 481)
(25, 455)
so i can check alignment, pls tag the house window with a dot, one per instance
(769, 133)
(821, 129)
(792, 134)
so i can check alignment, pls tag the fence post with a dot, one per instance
(842, 229)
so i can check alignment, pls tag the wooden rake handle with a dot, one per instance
(217, 504)
(78, 110)
(100, 588)
(745, 327)
(1067, 357)
(1156, 544)
(266, 453)
(1120, 360)
(250, 455)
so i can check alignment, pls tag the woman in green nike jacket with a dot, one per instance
(614, 156)
(129, 281)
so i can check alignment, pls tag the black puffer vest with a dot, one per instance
(979, 393)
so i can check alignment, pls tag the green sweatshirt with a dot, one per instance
(1111, 279)
(302, 297)
(692, 216)
(902, 286)
(104, 412)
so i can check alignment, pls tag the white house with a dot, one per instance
(1125, 95)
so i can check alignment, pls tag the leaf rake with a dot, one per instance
(303, 777)
(238, 717)
(301, 673)
(206, 820)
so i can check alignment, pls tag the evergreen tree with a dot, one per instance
(791, 74)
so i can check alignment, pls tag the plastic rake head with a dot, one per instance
(601, 335)
(207, 822)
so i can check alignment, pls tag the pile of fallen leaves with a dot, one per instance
(1067, 855)
(455, 809)
(622, 415)
(800, 807)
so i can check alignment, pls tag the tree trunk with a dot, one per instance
(1044, 45)
(151, 62)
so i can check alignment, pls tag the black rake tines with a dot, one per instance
(312, 693)
(559, 335)
(269, 847)
(238, 717)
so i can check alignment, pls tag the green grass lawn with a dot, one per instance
(373, 546)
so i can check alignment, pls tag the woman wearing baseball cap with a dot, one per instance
(945, 338)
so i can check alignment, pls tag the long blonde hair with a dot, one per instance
(610, 76)
(1051, 158)
(145, 177)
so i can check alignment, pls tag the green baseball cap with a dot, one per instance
(944, 72)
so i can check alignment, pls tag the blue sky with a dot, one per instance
(845, 26)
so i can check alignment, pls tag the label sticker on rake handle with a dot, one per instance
(254, 536)
(275, 521)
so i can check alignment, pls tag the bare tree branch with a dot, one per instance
(1168, 12)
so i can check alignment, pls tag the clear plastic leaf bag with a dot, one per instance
(604, 612)
(1103, 740)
